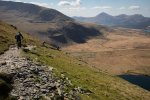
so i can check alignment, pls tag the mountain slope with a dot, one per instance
(32, 11)
(45, 23)
(127, 21)
(102, 86)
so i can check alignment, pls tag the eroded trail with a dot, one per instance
(11, 60)
(33, 80)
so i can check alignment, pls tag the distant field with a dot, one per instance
(121, 51)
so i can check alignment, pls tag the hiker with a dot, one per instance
(43, 43)
(18, 38)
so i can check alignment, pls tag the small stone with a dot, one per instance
(34, 91)
(12, 67)
(52, 85)
(38, 64)
(69, 82)
(40, 69)
(51, 68)
(62, 75)
(21, 98)
(22, 89)
(38, 85)
(44, 90)
(14, 95)
(59, 91)
(44, 79)
(27, 80)
(57, 84)
(36, 97)
(24, 94)
(27, 85)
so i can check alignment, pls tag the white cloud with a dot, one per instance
(64, 3)
(134, 7)
(102, 7)
(69, 3)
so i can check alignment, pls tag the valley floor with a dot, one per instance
(121, 51)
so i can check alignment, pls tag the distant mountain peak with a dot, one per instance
(137, 21)
(103, 14)
(137, 15)
(122, 15)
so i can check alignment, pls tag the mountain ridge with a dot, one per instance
(128, 21)
(35, 11)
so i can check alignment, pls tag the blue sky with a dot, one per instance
(88, 8)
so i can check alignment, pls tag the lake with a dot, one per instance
(148, 31)
(140, 80)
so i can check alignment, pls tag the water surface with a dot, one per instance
(140, 80)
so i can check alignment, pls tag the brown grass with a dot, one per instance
(122, 51)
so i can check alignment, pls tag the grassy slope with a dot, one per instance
(104, 87)
(6, 34)
(7, 37)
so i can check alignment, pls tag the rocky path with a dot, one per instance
(33, 81)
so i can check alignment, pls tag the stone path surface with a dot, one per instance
(33, 81)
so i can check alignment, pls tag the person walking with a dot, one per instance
(18, 38)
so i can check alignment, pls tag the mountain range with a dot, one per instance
(48, 24)
(136, 21)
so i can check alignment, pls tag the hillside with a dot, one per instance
(45, 23)
(128, 21)
(98, 85)
(31, 12)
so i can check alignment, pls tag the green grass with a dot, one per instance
(103, 86)
(6, 37)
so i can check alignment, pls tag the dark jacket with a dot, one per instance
(18, 37)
